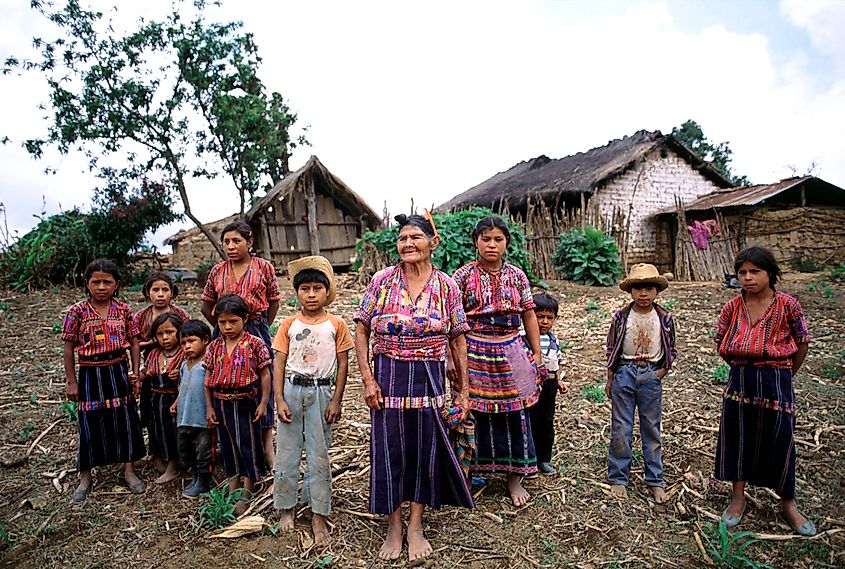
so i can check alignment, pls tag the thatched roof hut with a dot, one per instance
(581, 173)
(310, 211)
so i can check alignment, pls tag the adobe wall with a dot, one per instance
(644, 189)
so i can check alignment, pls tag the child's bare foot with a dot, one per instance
(418, 546)
(321, 531)
(618, 491)
(660, 496)
(392, 547)
(241, 507)
(170, 473)
(286, 520)
(519, 495)
(159, 464)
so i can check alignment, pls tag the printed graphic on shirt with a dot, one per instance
(312, 348)
(642, 337)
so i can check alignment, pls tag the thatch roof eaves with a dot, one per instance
(330, 184)
(212, 226)
(578, 173)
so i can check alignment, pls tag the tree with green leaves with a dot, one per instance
(720, 154)
(169, 99)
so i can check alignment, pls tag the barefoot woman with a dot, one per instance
(413, 311)
(503, 380)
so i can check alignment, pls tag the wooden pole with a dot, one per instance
(313, 232)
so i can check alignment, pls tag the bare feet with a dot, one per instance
(321, 531)
(392, 546)
(171, 473)
(159, 464)
(619, 491)
(241, 507)
(519, 495)
(286, 520)
(418, 546)
(660, 496)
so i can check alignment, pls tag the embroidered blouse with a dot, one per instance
(494, 301)
(409, 330)
(94, 335)
(143, 320)
(160, 377)
(257, 286)
(771, 341)
(240, 368)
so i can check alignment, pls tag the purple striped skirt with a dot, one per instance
(240, 439)
(411, 458)
(109, 427)
(756, 432)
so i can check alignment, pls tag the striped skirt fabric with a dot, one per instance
(240, 439)
(502, 375)
(411, 457)
(756, 431)
(505, 443)
(162, 428)
(260, 328)
(109, 427)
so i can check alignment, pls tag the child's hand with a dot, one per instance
(462, 401)
(333, 411)
(260, 412)
(608, 386)
(563, 386)
(538, 359)
(211, 418)
(173, 408)
(283, 411)
(173, 374)
(72, 391)
(452, 374)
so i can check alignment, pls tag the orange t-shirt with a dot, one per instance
(312, 347)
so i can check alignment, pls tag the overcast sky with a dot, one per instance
(428, 99)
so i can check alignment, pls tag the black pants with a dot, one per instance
(543, 420)
(195, 444)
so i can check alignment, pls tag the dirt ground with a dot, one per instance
(571, 521)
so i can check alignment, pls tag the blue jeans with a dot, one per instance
(632, 387)
(308, 428)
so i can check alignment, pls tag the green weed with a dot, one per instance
(70, 411)
(669, 304)
(831, 371)
(827, 292)
(593, 393)
(593, 322)
(26, 431)
(324, 561)
(719, 374)
(3, 307)
(728, 550)
(592, 305)
(219, 510)
(837, 273)
(5, 540)
(274, 328)
(292, 301)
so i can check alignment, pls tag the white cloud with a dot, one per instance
(426, 100)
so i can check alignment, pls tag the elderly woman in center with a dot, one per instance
(413, 311)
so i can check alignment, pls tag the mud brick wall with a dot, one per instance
(644, 189)
(814, 232)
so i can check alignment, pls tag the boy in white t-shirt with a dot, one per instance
(311, 355)
(640, 352)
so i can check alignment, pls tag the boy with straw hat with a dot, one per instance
(312, 349)
(640, 351)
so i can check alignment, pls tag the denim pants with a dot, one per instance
(308, 429)
(638, 387)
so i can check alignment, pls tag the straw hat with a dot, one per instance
(643, 273)
(318, 263)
